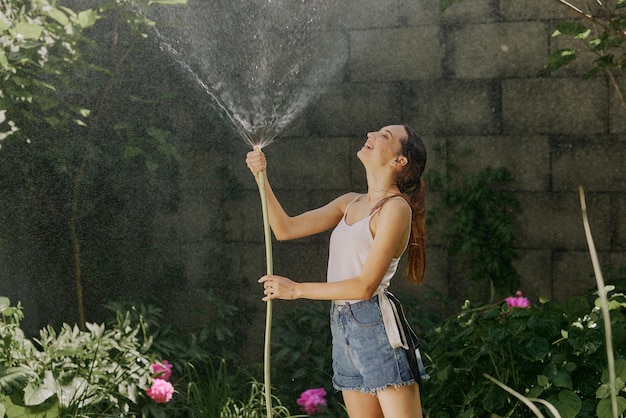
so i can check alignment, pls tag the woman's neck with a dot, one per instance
(380, 187)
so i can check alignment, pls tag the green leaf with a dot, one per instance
(605, 410)
(4, 61)
(13, 378)
(38, 394)
(29, 30)
(567, 403)
(58, 16)
(534, 348)
(560, 58)
(575, 29)
(558, 376)
(5, 302)
(87, 18)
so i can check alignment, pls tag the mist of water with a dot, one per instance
(262, 61)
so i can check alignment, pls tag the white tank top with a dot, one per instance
(349, 247)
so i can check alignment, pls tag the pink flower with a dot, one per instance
(161, 391)
(162, 370)
(518, 301)
(311, 399)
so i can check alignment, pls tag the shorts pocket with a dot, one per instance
(367, 316)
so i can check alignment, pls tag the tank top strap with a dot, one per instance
(385, 200)
(345, 212)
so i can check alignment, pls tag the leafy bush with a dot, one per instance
(73, 372)
(302, 347)
(554, 351)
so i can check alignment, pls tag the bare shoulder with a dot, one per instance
(343, 201)
(396, 206)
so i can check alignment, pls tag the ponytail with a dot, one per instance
(411, 185)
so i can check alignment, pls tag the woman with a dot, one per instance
(371, 233)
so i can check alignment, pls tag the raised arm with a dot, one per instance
(287, 227)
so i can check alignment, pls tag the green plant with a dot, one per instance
(72, 372)
(61, 83)
(478, 212)
(599, 32)
(553, 351)
(302, 347)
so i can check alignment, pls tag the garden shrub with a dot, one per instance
(76, 373)
(553, 351)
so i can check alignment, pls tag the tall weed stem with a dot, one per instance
(604, 305)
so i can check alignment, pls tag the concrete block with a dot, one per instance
(310, 162)
(615, 261)
(354, 109)
(618, 214)
(453, 108)
(617, 115)
(554, 105)
(432, 294)
(596, 164)
(492, 50)
(380, 55)
(353, 14)
(535, 270)
(554, 221)
(573, 274)
(243, 219)
(419, 12)
(534, 10)
(469, 11)
(527, 158)
(301, 261)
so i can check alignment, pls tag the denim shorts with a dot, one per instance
(363, 359)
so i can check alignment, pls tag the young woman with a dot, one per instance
(371, 233)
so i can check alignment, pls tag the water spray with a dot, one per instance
(262, 62)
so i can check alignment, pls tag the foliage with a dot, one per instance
(213, 340)
(76, 130)
(600, 31)
(70, 372)
(553, 351)
(302, 347)
(38, 39)
(478, 212)
(106, 370)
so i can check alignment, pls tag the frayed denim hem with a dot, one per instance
(374, 391)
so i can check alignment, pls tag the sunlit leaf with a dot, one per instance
(58, 16)
(575, 29)
(87, 18)
(560, 58)
(5, 302)
(29, 30)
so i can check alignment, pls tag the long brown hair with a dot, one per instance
(411, 185)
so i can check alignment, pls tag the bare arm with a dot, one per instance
(390, 229)
(287, 227)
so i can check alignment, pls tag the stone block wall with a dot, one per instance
(472, 78)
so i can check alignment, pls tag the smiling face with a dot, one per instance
(384, 146)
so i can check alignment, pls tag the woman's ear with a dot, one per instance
(400, 161)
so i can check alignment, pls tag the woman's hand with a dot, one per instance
(256, 161)
(278, 287)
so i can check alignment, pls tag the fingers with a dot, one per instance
(256, 161)
(271, 287)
